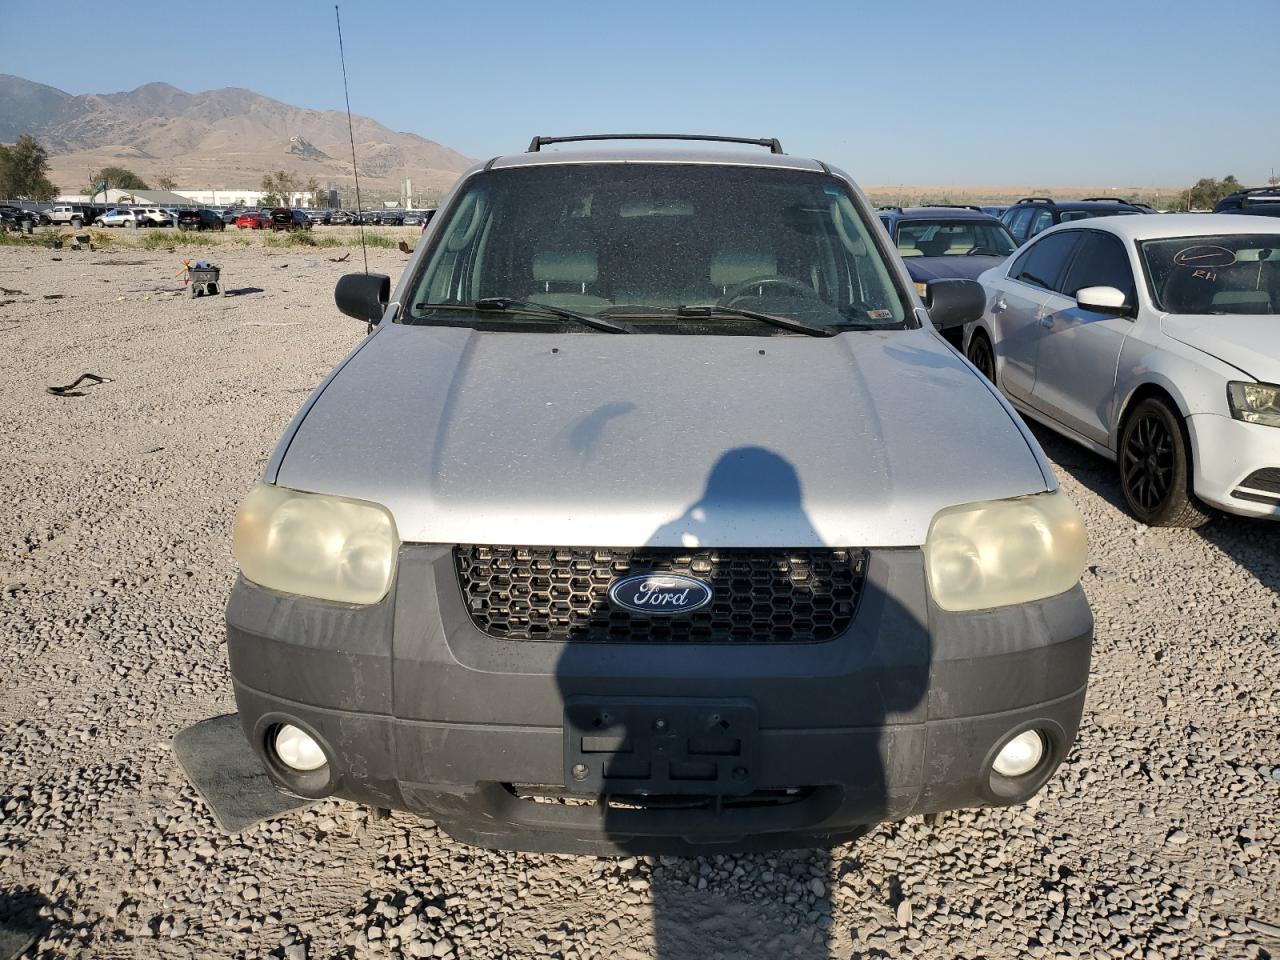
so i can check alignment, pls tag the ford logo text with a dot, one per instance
(659, 593)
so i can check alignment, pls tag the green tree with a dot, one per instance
(312, 186)
(24, 170)
(1207, 191)
(119, 178)
(277, 186)
(166, 181)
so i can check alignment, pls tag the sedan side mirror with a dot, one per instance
(363, 295)
(953, 303)
(1102, 300)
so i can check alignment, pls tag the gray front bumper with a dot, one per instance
(421, 711)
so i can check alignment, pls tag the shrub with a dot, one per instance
(162, 240)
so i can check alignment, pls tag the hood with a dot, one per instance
(1249, 342)
(581, 439)
(924, 269)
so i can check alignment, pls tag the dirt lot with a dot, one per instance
(1159, 838)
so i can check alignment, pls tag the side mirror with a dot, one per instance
(1102, 300)
(953, 303)
(363, 295)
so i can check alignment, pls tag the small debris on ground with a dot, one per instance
(69, 390)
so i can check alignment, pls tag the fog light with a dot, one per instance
(297, 750)
(1020, 755)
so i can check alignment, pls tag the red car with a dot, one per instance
(253, 220)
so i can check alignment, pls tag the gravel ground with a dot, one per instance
(1159, 837)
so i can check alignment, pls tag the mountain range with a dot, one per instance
(219, 139)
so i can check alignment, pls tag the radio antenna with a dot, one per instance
(352, 134)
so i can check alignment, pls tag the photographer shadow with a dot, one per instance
(709, 897)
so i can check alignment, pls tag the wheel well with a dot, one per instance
(979, 331)
(1147, 391)
(1150, 391)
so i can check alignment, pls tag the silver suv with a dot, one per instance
(593, 546)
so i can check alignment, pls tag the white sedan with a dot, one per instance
(1154, 341)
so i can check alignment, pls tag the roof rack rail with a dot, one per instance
(1036, 200)
(1107, 200)
(890, 206)
(771, 142)
(954, 206)
(1257, 192)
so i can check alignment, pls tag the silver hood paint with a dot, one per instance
(1249, 342)
(598, 439)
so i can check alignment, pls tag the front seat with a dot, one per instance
(565, 278)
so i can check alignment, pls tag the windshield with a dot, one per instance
(1232, 273)
(954, 238)
(641, 241)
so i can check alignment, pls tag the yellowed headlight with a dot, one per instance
(332, 548)
(1002, 552)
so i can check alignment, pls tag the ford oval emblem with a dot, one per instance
(659, 593)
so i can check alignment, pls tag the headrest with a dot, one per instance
(1228, 298)
(731, 267)
(565, 266)
(1263, 254)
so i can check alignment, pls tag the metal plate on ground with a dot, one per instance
(228, 775)
(659, 746)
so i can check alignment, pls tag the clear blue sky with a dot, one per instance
(1125, 92)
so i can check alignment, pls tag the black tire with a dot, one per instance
(982, 356)
(1154, 456)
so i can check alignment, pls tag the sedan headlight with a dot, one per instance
(1001, 552)
(318, 546)
(1254, 402)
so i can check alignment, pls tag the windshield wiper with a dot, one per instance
(545, 309)
(786, 323)
(503, 304)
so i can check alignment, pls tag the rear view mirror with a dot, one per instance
(953, 303)
(1102, 300)
(363, 295)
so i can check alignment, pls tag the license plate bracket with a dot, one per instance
(660, 746)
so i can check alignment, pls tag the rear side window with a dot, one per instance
(1101, 262)
(1042, 221)
(1017, 222)
(1042, 264)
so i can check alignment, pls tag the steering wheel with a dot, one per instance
(740, 290)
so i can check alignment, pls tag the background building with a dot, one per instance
(234, 197)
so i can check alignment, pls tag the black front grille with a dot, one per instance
(1268, 478)
(760, 595)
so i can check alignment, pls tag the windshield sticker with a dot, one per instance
(1204, 255)
(880, 314)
